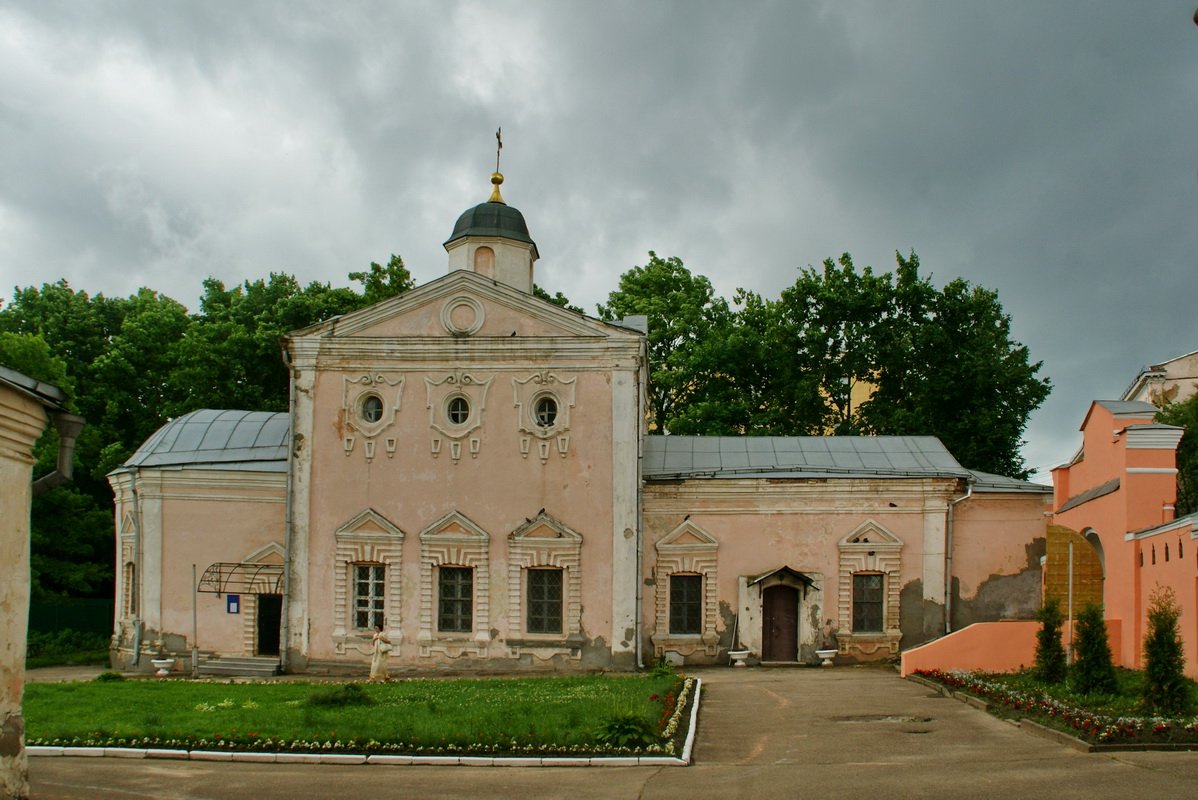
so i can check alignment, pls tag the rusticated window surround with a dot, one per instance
(454, 541)
(869, 549)
(692, 551)
(368, 538)
(545, 542)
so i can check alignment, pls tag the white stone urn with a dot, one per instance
(163, 665)
(738, 657)
(827, 656)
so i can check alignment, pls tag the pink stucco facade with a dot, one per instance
(1118, 492)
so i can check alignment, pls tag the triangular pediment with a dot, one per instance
(872, 535)
(454, 526)
(545, 528)
(267, 554)
(369, 523)
(687, 536)
(128, 525)
(462, 304)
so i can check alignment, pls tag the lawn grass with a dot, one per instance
(1118, 718)
(489, 716)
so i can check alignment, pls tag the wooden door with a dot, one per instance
(780, 624)
(270, 616)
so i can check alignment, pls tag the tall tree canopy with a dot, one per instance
(685, 316)
(935, 362)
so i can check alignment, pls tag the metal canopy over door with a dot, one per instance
(270, 615)
(780, 623)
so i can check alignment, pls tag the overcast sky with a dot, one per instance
(1047, 150)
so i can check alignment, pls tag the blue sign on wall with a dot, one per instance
(233, 603)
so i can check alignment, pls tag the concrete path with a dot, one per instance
(763, 733)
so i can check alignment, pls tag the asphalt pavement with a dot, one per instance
(843, 732)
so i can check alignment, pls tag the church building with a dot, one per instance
(468, 467)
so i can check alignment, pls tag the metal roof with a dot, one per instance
(1093, 493)
(218, 440)
(989, 482)
(45, 393)
(1129, 408)
(667, 457)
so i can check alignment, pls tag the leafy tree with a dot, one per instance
(133, 374)
(380, 283)
(683, 311)
(29, 354)
(1166, 690)
(1050, 653)
(557, 298)
(948, 367)
(829, 327)
(1092, 672)
(58, 334)
(230, 356)
(71, 541)
(1185, 415)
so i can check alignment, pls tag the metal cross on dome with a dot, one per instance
(498, 146)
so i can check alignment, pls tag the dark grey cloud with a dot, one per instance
(1042, 149)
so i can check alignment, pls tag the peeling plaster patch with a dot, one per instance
(12, 732)
(728, 616)
(1002, 596)
(920, 619)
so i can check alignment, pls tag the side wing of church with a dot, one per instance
(466, 467)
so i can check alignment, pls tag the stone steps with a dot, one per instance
(248, 666)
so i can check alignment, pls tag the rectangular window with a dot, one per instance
(686, 604)
(545, 601)
(455, 599)
(867, 602)
(369, 583)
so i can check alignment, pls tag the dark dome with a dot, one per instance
(491, 219)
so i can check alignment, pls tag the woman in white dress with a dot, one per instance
(380, 648)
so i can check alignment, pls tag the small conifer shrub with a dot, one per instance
(1092, 672)
(1165, 688)
(1050, 653)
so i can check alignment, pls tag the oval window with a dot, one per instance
(372, 408)
(545, 411)
(458, 410)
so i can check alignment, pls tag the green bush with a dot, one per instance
(1050, 653)
(346, 694)
(1092, 672)
(663, 669)
(1165, 688)
(109, 677)
(625, 729)
(65, 646)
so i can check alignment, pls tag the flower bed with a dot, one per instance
(523, 717)
(1097, 728)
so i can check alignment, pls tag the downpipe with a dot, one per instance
(948, 556)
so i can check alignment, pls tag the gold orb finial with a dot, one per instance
(496, 180)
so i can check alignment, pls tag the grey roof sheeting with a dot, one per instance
(989, 482)
(45, 393)
(1128, 408)
(675, 457)
(1093, 493)
(218, 440)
